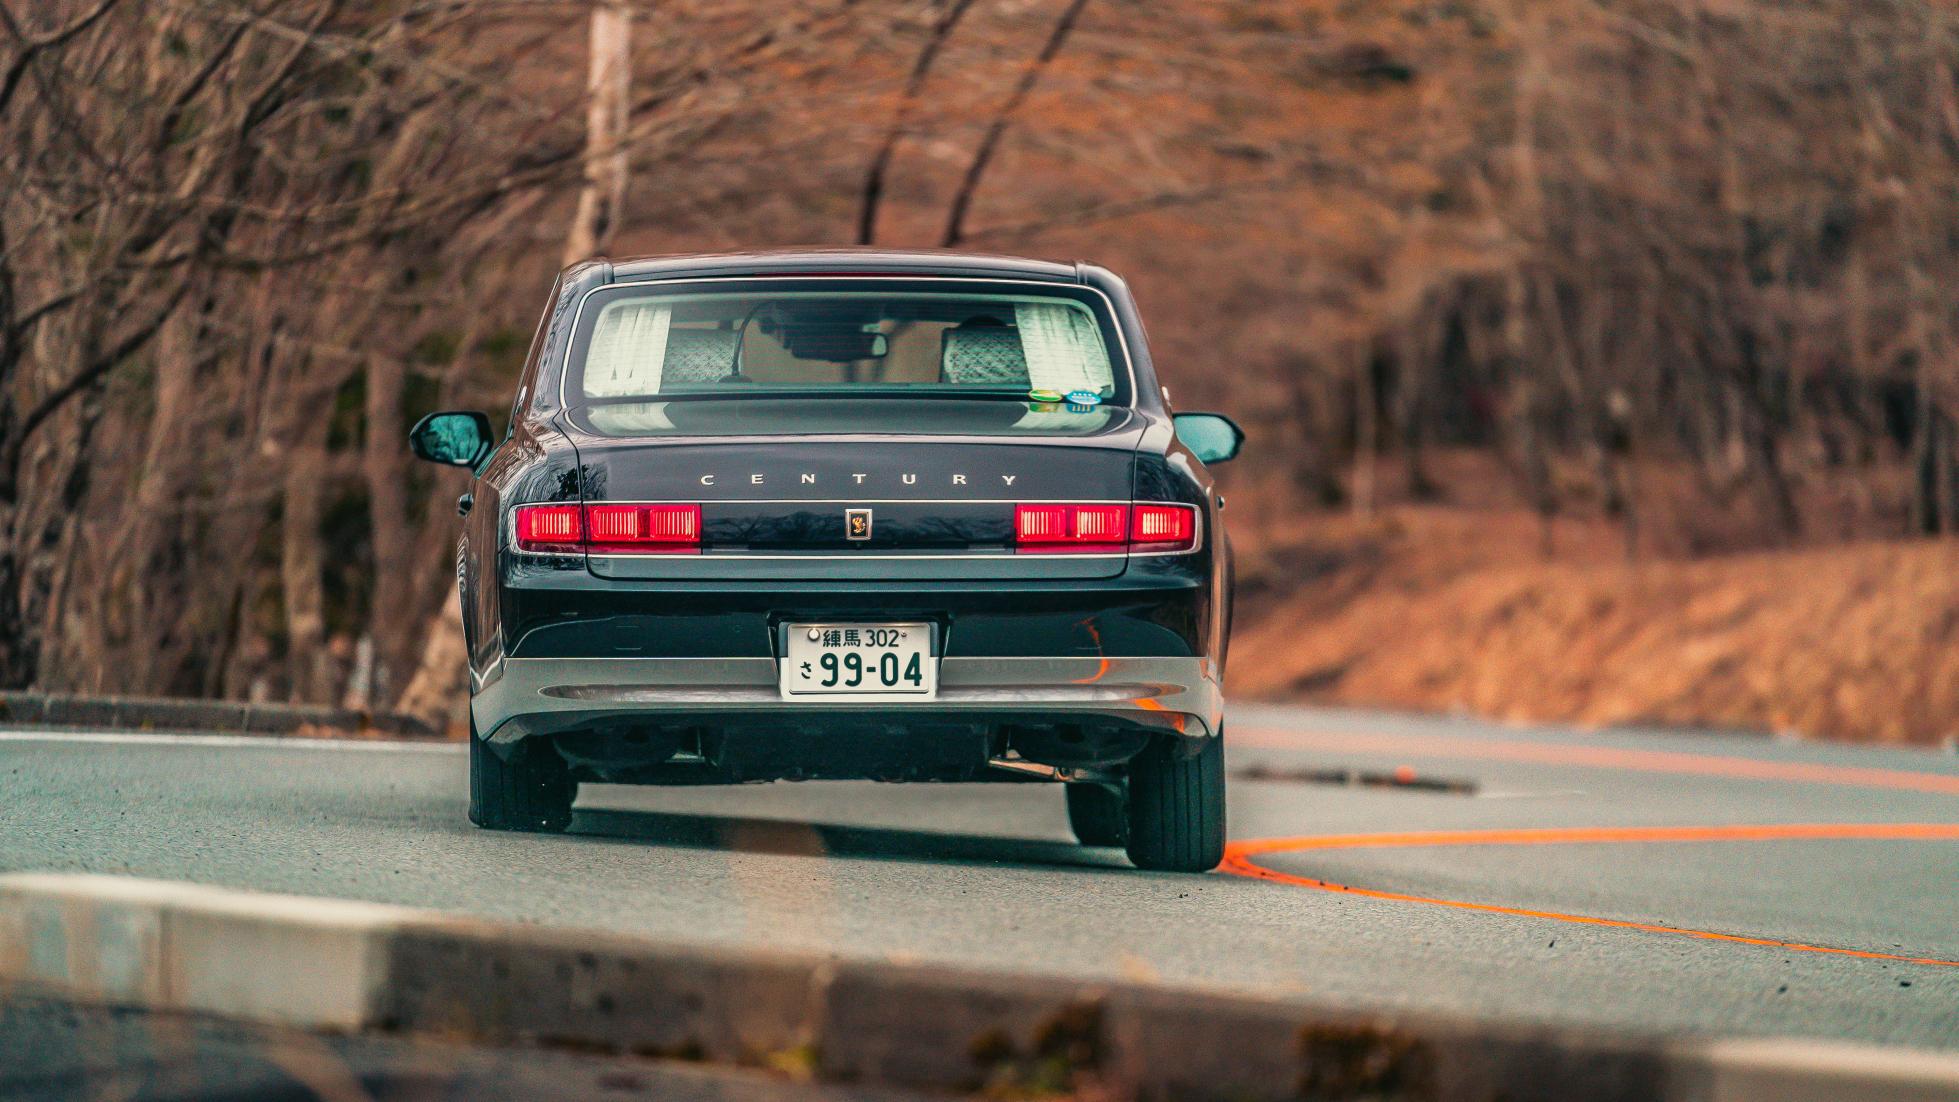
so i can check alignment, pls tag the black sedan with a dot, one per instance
(847, 514)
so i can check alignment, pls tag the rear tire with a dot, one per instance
(1176, 806)
(531, 791)
(1097, 815)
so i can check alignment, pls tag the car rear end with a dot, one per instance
(857, 528)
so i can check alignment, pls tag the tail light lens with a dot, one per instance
(634, 528)
(1055, 528)
(622, 529)
(551, 528)
(609, 528)
(1061, 529)
(1162, 528)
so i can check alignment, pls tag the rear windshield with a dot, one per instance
(856, 344)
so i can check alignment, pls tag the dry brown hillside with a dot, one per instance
(1461, 609)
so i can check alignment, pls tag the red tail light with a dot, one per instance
(1040, 523)
(1071, 527)
(551, 528)
(1063, 529)
(1162, 528)
(631, 529)
(609, 528)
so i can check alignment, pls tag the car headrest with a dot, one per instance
(983, 355)
(699, 355)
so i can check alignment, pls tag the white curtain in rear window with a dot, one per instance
(1063, 346)
(629, 350)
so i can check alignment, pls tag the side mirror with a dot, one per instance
(1211, 437)
(457, 438)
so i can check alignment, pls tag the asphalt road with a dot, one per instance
(1654, 880)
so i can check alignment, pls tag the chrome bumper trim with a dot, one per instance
(1180, 694)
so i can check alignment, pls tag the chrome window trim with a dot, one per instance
(874, 438)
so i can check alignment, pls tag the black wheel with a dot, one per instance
(1097, 815)
(1176, 806)
(532, 790)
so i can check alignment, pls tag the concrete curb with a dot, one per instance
(132, 713)
(329, 964)
(317, 963)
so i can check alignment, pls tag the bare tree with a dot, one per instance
(433, 690)
(921, 70)
(1030, 75)
(608, 92)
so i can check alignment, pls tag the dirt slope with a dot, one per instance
(1442, 609)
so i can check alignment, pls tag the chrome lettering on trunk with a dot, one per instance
(857, 478)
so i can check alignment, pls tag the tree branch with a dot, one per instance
(1129, 208)
(873, 191)
(29, 47)
(52, 402)
(955, 226)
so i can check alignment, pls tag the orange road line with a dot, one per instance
(1600, 757)
(1238, 861)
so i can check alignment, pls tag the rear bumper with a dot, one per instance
(547, 696)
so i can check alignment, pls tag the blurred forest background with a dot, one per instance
(1598, 356)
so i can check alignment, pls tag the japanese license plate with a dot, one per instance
(847, 662)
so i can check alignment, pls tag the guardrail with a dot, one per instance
(218, 716)
(331, 964)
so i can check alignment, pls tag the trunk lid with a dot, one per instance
(777, 480)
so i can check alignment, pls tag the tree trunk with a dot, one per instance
(441, 680)
(382, 462)
(307, 662)
(63, 550)
(16, 657)
(157, 614)
(608, 85)
(439, 684)
(1367, 436)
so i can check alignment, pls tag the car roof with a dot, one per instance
(845, 261)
